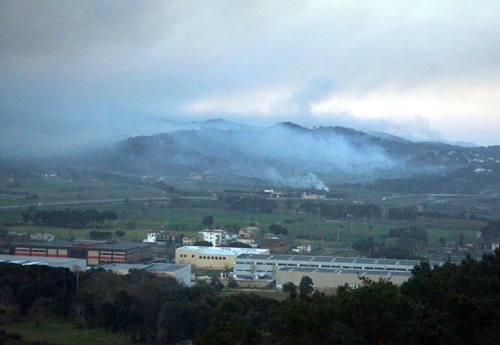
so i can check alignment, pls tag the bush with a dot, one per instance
(232, 283)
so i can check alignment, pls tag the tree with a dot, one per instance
(232, 283)
(306, 286)
(278, 229)
(364, 246)
(100, 235)
(130, 224)
(216, 283)
(120, 234)
(238, 245)
(208, 221)
(203, 244)
(107, 215)
(290, 288)
(91, 216)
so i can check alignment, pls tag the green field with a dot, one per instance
(58, 332)
(184, 212)
(136, 219)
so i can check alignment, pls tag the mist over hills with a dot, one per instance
(284, 154)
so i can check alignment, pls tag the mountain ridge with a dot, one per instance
(282, 154)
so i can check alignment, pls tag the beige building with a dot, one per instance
(327, 278)
(249, 232)
(249, 241)
(188, 240)
(217, 258)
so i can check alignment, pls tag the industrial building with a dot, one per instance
(181, 273)
(247, 265)
(219, 258)
(71, 263)
(328, 278)
(95, 252)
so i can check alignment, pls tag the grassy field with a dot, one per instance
(185, 215)
(58, 332)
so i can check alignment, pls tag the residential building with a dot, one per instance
(188, 240)
(216, 237)
(249, 232)
(160, 236)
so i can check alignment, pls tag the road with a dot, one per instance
(108, 201)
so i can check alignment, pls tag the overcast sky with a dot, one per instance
(78, 72)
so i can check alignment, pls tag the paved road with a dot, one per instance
(109, 201)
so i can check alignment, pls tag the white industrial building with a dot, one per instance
(250, 265)
(327, 278)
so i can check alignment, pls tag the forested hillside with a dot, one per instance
(287, 154)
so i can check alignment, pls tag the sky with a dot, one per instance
(80, 73)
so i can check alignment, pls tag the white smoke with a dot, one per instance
(308, 180)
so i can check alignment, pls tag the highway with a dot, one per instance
(108, 201)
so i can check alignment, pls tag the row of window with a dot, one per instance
(205, 257)
(213, 257)
(323, 266)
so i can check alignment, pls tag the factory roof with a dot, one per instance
(332, 259)
(156, 267)
(70, 263)
(225, 250)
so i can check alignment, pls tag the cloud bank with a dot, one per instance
(75, 73)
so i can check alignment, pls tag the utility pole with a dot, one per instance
(350, 239)
(322, 243)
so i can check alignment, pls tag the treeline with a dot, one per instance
(343, 211)
(450, 304)
(340, 211)
(251, 204)
(407, 239)
(68, 218)
(412, 212)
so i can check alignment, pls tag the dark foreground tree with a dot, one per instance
(306, 286)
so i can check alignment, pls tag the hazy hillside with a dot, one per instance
(284, 154)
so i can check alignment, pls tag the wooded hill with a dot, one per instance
(289, 155)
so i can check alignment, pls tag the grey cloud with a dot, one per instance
(121, 64)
